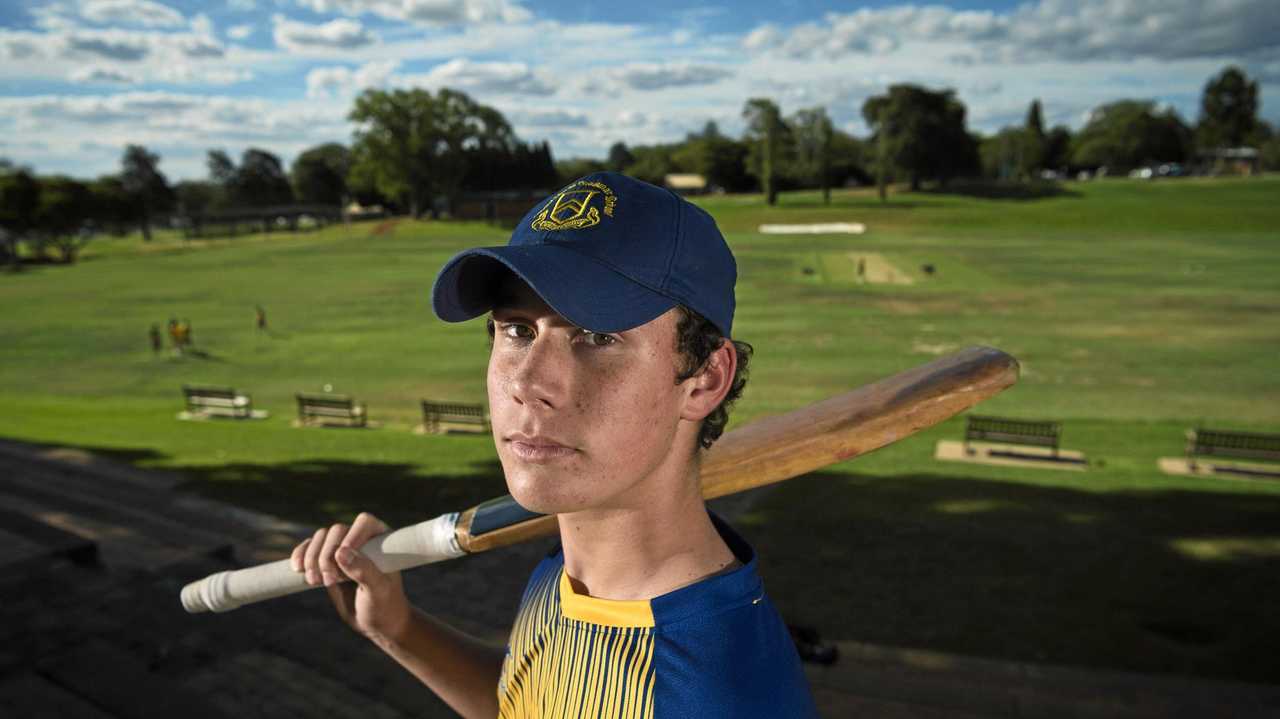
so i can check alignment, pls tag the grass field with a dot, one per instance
(1137, 310)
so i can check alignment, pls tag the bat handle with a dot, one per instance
(431, 541)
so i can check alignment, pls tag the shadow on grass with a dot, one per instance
(1021, 191)
(840, 203)
(316, 491)
(322, 491)
(1170, 581)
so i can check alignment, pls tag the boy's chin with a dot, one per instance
(533, 494)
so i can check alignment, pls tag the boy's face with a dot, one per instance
(579, 418)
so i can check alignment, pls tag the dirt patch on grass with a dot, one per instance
(873, 268)
(383, 228)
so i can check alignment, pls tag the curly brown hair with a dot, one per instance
(696, 339)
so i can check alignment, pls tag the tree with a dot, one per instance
(653, 163)
(1268, 146)
(114, 208)
(19, 203)
(764, 135)
(813, 134)
(1057, 147)
(222, 169)
(261, 180)
(63, 216)
(721, 160)
(620, 158)
(1035, 119)
(1228, 110)
(1013, 153)
(1130, 133)
(411, 145)
(196, 197)
(139, 171)
(1032, 151)
(258, 181)
(848, 159)
(320, 174)
(573, 168)
(920, 133)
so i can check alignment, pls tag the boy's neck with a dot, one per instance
(662, 542)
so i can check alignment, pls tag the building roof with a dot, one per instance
(677, 181)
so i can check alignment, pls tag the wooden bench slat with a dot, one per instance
(222, 401)
(1240, 445)
(330, 406)
(1014, 431)
(434, 414)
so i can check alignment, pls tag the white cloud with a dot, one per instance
(630, 118)
(325, 82)
(1044, 30)
(131, 12)
(549, 118)
(239, 32)
(200, 47)
(97, 74)
(340, 34)
(173, 120)
(430, 12)
(182, 73)
(656, 76)
(110, 44)
(763, 38)
(202, 25)
(495, 77)
(21, 46)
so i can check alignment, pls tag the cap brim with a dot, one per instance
(586, 292)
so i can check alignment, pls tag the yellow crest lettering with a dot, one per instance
(576, 207)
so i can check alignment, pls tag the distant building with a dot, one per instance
(357, 211)
(1229, 161)
(686, 184)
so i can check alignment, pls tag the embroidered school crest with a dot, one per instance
(576, 207)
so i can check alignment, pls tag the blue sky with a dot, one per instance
(80, 79)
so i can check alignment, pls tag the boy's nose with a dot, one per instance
(538, 379)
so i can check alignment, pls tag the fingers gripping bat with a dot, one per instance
(770, 450)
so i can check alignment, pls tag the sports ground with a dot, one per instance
(1138, 310)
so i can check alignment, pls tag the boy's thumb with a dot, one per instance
(359, 567)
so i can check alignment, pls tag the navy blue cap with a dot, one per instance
(608, 253)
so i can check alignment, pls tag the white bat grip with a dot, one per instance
(412, 546)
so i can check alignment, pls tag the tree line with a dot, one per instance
(418, 152)
(919, 135)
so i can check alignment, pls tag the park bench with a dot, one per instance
(206, 401)
(440, 417)
(1235, 445)
(330, 409)
(1012, 431)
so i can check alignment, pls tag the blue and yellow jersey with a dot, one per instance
(713, 649)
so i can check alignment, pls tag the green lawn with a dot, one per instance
(1137, 310)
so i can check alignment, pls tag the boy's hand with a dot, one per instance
(375, 605)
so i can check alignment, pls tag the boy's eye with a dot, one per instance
(515, 331)
(599, 339)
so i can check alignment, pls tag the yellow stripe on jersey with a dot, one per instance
(572, 656)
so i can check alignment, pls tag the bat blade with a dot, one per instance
(764, 452)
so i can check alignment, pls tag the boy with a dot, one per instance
(610, 371)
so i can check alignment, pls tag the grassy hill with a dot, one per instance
(1137, 310)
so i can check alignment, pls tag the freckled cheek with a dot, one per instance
(640, 421)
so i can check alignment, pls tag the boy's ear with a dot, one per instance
(710, 385)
